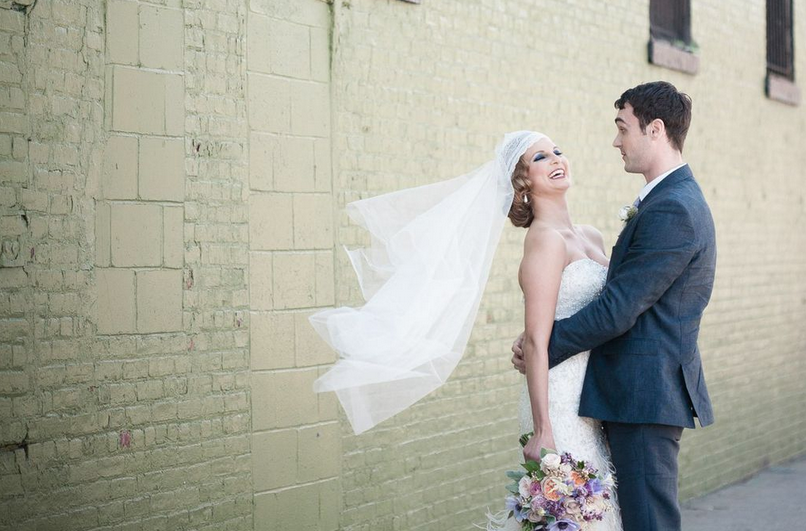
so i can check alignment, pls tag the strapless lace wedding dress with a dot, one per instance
(582, 281)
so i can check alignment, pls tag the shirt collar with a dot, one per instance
(656, 181)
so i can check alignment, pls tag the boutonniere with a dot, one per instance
(627, 212)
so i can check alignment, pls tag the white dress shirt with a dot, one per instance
(656, 181)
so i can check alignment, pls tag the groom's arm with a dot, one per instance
(662, 246)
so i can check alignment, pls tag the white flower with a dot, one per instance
(565, 468)
(597, 506)
(534, 517)
(523, 487)
(626, 213)
(550, 462)
(572, 507)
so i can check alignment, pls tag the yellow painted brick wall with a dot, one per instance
(124, 383)
(423, 92)
(172, 183)
(296, 436)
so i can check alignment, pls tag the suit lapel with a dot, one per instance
(679, 175)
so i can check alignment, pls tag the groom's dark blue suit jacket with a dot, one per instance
(642, 330)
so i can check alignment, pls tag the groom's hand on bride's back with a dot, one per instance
(517, 354)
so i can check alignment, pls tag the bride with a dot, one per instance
(423, 278)
(563, 269)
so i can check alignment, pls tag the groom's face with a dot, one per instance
(633, 143)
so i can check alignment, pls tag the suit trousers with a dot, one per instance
(645, 458)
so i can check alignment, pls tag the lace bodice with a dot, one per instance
(582, 282)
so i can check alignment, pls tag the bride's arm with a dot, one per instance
(544, 259)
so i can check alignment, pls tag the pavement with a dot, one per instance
(772, 499)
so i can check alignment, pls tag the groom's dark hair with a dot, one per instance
(662, 100)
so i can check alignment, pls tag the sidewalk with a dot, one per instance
(772, 499)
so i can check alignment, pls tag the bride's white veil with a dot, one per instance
(422, 278)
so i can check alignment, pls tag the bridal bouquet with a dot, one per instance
(558, 493)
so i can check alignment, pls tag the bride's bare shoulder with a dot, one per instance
(544, 258)
(544, 240)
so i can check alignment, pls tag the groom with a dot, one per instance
(645, 379)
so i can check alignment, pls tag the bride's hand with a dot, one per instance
(541, 439)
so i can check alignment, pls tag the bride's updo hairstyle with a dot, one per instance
(509, 156)
(520, 213)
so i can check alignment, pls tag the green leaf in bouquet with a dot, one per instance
(513, 488)
(531, 466)
(546, 451)
(515, 474)
(525, 438)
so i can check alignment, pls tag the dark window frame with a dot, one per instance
(670, 42)
(780, 39)
(670, 20)
(779, 84)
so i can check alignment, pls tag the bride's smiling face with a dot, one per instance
(549, 170)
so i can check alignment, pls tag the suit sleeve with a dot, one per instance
(662, 245)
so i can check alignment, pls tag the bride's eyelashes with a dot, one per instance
(540, 156)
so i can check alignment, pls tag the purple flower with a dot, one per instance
(563, 525)
(554, 508)
(537, 502)
(595, 486)
(519, 511)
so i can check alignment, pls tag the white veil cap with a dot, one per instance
(422, 278)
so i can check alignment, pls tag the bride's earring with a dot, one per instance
(526, 199)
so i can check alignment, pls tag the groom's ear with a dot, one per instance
(656, 129)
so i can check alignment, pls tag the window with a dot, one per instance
(780, 84)
(670, 21)
(779, 38)
(670, 41)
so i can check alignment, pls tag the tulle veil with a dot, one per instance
(422, 279)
